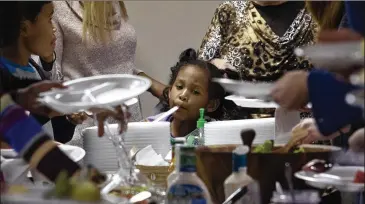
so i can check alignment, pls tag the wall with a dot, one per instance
(164, 29)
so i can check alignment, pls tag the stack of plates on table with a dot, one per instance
(250, 102)
(101, 153)
(229, 132)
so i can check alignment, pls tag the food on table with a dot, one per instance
(317, 166)
(81, 187)
(299, 150)
(264, 148)
(359, 177)
(85, 191)
(127, 192)
(267, 147)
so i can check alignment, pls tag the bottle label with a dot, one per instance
(187, 161)
(253, 194)
(186, 194)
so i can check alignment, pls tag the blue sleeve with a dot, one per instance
(355, 11)
(327, 95)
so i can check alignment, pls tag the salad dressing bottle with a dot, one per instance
(187, 187)
(174, 166)
(240, 179)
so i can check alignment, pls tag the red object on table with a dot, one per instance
(359, 177)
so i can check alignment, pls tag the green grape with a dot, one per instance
(299, 150)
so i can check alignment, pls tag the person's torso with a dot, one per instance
(90, 59)
(260, 43)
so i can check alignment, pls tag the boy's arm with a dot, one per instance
(26, 137)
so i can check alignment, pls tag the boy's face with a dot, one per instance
(39, 36)
(189, 92)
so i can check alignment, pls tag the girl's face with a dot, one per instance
(39, 36)
(189, 92)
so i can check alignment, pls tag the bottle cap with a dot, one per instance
(201, 121)
(239, 157)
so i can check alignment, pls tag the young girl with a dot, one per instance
(191, 88)
(25, 29)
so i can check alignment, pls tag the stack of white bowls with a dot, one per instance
(229, 132)
(101, 153)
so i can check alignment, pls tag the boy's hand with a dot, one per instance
(27, 98)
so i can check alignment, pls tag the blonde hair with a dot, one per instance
(328, 14)
(95, 20)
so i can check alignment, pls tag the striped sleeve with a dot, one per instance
(26, 136)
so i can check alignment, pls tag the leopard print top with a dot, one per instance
(240, 35)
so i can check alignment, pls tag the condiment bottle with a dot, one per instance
(187, 187)
(174, 166)
(174, 142)
(197, 137)
(239, 178)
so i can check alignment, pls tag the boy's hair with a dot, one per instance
(12, 14)
(215, 91)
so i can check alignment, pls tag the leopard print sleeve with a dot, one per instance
(212, 40)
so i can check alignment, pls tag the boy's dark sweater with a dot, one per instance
(63, 129)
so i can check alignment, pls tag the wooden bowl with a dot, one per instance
(214, 165)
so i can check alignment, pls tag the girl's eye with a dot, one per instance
(179, 87)
(196, 92)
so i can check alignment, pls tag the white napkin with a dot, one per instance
(148, 157)
(15, 171)
(168, 156)
(284, 122)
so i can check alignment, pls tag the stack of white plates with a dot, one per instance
(100, 152)
(229, 132)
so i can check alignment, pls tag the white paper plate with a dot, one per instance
(251, 103)
(246, 89)
(340, 177)
(112, 90)
(334, 56)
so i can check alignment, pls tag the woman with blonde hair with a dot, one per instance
(328, 14)
(95, 38)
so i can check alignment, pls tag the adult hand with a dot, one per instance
(314, 135)
(77, 118)
(27, 98)
(120, 114)
(290, 91)
(356, 141)
(223, 64)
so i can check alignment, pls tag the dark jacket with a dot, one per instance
(63, 130)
